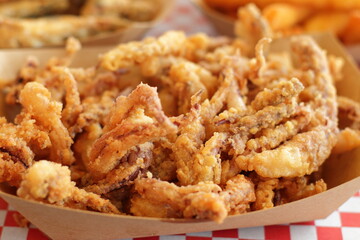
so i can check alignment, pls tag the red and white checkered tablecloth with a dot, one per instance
(344, 223)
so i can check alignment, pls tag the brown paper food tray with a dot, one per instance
(342, 174)
(134, 31)
(225, 25)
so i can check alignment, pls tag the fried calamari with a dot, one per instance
(178, 127)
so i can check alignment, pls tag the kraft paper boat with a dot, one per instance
(342, 174)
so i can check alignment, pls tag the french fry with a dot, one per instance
(351, 33)
(315, 4)
(333, 22)
(282, 15)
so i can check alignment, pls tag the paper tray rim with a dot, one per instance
(172, 220)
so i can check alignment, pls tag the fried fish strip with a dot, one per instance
(36, 101)
(50, 182)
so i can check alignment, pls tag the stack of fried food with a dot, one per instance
(177, 127)
(341, 17)
(38, 23)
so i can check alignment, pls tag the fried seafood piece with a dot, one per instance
(349, 112)
(11, 171)
(251, 26)
(258, 65)
(267, 117)
(31, 72)
(84, 142)
(187, 144)
(301, 155)
(189, 152)
(237, 194)
(13, 145)
(211, 107)
(349, 123)
(306, 151)
(267, 110)
(272, 192)
(189, 78)
(205, 200)
(347, 140)
(265, 194)
(132, 165)
(129, 54)
(207, 162)
(301, 187)
(312, 58)
(186, 84)
(279, 93)
(271, 138)
(32, 8)
(95, 110)
(134, 10)
(50, 31)
(73, 107)
(20, 144)
(235, 99)
(163, 165)
(128, 127)
(37, 103)
(50, 182)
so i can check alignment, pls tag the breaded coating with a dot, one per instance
(204, 200)
(37, 102)
(50, 182)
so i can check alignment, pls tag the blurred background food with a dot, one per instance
(38, 23)
(341, 17)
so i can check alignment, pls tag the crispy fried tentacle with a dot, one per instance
(128, 127)
(37, 102)
(130, 167)
(207, 163)
(187, 145)
(73, 107)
